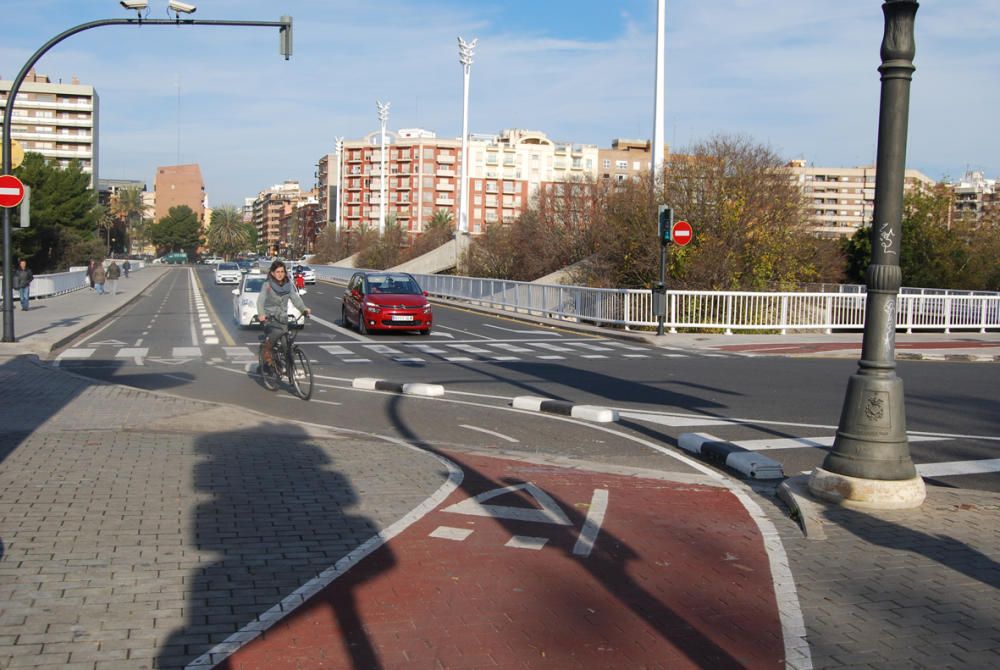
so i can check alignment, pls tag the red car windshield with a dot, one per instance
(392, 284)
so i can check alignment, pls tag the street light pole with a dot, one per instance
(383, 117)
(340, 185)
(285, 32)
(465, 54)
(870, 462)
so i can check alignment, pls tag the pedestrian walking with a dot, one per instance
(113, 273)
(99, 275)
(126, 266)
(22, 281)
(90, 271)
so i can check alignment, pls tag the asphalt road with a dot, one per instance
(181, 337)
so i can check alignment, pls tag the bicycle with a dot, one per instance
(288, 360)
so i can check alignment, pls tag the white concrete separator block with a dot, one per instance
(755, 465)
(528, 402)
(692, 441)
(365, 383)
(418, 388)
(594, 413)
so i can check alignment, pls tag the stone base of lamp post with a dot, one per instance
(867, 493)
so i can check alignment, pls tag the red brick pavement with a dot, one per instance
(678, 578)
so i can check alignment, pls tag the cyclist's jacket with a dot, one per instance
(273, 300)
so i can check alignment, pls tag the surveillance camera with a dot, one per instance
(181, 7)
(137, 5)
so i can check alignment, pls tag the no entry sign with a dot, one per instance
(11, 191)
(681, 233)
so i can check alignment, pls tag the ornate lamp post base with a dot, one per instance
(867, 493)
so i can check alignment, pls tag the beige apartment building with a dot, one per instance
(627, 160)
(271, 208)
(56, 120)
(179, 185)
(974, 196)
(842, 200)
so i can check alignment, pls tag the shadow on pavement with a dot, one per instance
(275, 515)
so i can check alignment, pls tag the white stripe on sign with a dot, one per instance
(10, 191)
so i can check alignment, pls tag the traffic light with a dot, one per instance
(285, 37)
(665, 221)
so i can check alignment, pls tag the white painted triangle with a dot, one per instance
(548, 511)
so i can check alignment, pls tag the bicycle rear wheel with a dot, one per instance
(300, 373)
(268, 374)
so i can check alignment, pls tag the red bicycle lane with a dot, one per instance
(537, 566)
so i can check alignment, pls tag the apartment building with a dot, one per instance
(423, 173)
(56, 120)
(841, 200)
(975, 195)
(627, 160)
(179, 185)
(270, 207)
(327, 180)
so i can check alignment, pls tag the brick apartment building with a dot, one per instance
(179, 185)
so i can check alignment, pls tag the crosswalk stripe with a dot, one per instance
(336, 349)
(76, 353)
(818, 442)
(187, 352)
(959, 468)
(550, 347)
(383, 349)
(468, 348)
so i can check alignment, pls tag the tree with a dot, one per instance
(129, 208)
(63, 212)
(381, 252)
(439, 230)
(227, 234)
(937, 250)
(178, 231)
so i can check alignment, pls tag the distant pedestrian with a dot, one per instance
(90, 271)
(113, 273)
(126, 266)
(99, 275)
(21, 281)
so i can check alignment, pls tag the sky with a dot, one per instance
(799, 77)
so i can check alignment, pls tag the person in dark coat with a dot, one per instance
(113, 273)
(90, 271)
(126, 266)
(99, 276)
(21, 281)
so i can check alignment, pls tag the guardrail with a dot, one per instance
(709, 310)
(58, 283)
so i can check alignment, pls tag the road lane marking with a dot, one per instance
(524, 332)
(526, 542)
(592, 524)
(977, 467)
(490, 432)
(135, 353)
(547, 510)
(449, 533)
(817, 442)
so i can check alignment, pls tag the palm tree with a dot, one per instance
(129, 208)
(227, 233)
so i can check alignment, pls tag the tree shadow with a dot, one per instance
(276, 514)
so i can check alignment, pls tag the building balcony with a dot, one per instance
(444, 186)
(446, 173)
(445, 202)
(444, 158)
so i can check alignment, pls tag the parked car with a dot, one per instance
(211, 260)
(245, 266)
(227, 273)
(308, 274)
(386, 301)
(245, 300)
(173, 258)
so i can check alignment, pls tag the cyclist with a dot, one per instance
(272, 306)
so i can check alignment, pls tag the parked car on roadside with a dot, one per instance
(386, 301)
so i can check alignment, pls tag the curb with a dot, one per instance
(565, 408)
(748, 463)
(794, 491)
(372, 384)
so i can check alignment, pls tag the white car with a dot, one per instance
(228, 273)
(308, 274)
(245, 300)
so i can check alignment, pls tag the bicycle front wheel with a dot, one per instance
(268, 375)
(301, 374)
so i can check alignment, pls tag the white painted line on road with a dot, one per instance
(339, 329)
(187, 352)
(335, 349)
(383, 349)
(592, 524)
(410, 359)
(527, 332)
(511, 347)
(674, 419)
(977, 467)
(526, 542)
(550, 347)
(448, 533)
(75, 354)
(469, 349)
(553, 358)
(503, 359)
(211, 340)
(458, 359)
(135, 353)
(490, 432)
(588, 345)
(593, 356)
(427, 348)
(355, 360)
(818, 442)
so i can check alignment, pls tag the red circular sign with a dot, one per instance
(11, 191)
(681, 233)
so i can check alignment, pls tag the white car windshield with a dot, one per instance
(228, 266)
(253, 285)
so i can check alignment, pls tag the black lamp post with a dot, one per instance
(870, 462)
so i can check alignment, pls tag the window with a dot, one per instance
(621, 165)
(636, 165)
(606, 163)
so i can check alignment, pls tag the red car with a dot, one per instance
(386, 301)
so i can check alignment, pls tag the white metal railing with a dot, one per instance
(713, 310)
(58, 283)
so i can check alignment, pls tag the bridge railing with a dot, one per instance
(58, 283)
(728, 311)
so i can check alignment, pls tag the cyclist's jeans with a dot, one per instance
(273, 330)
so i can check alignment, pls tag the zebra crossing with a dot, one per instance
(354, 352)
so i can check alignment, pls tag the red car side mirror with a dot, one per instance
(426, 294)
